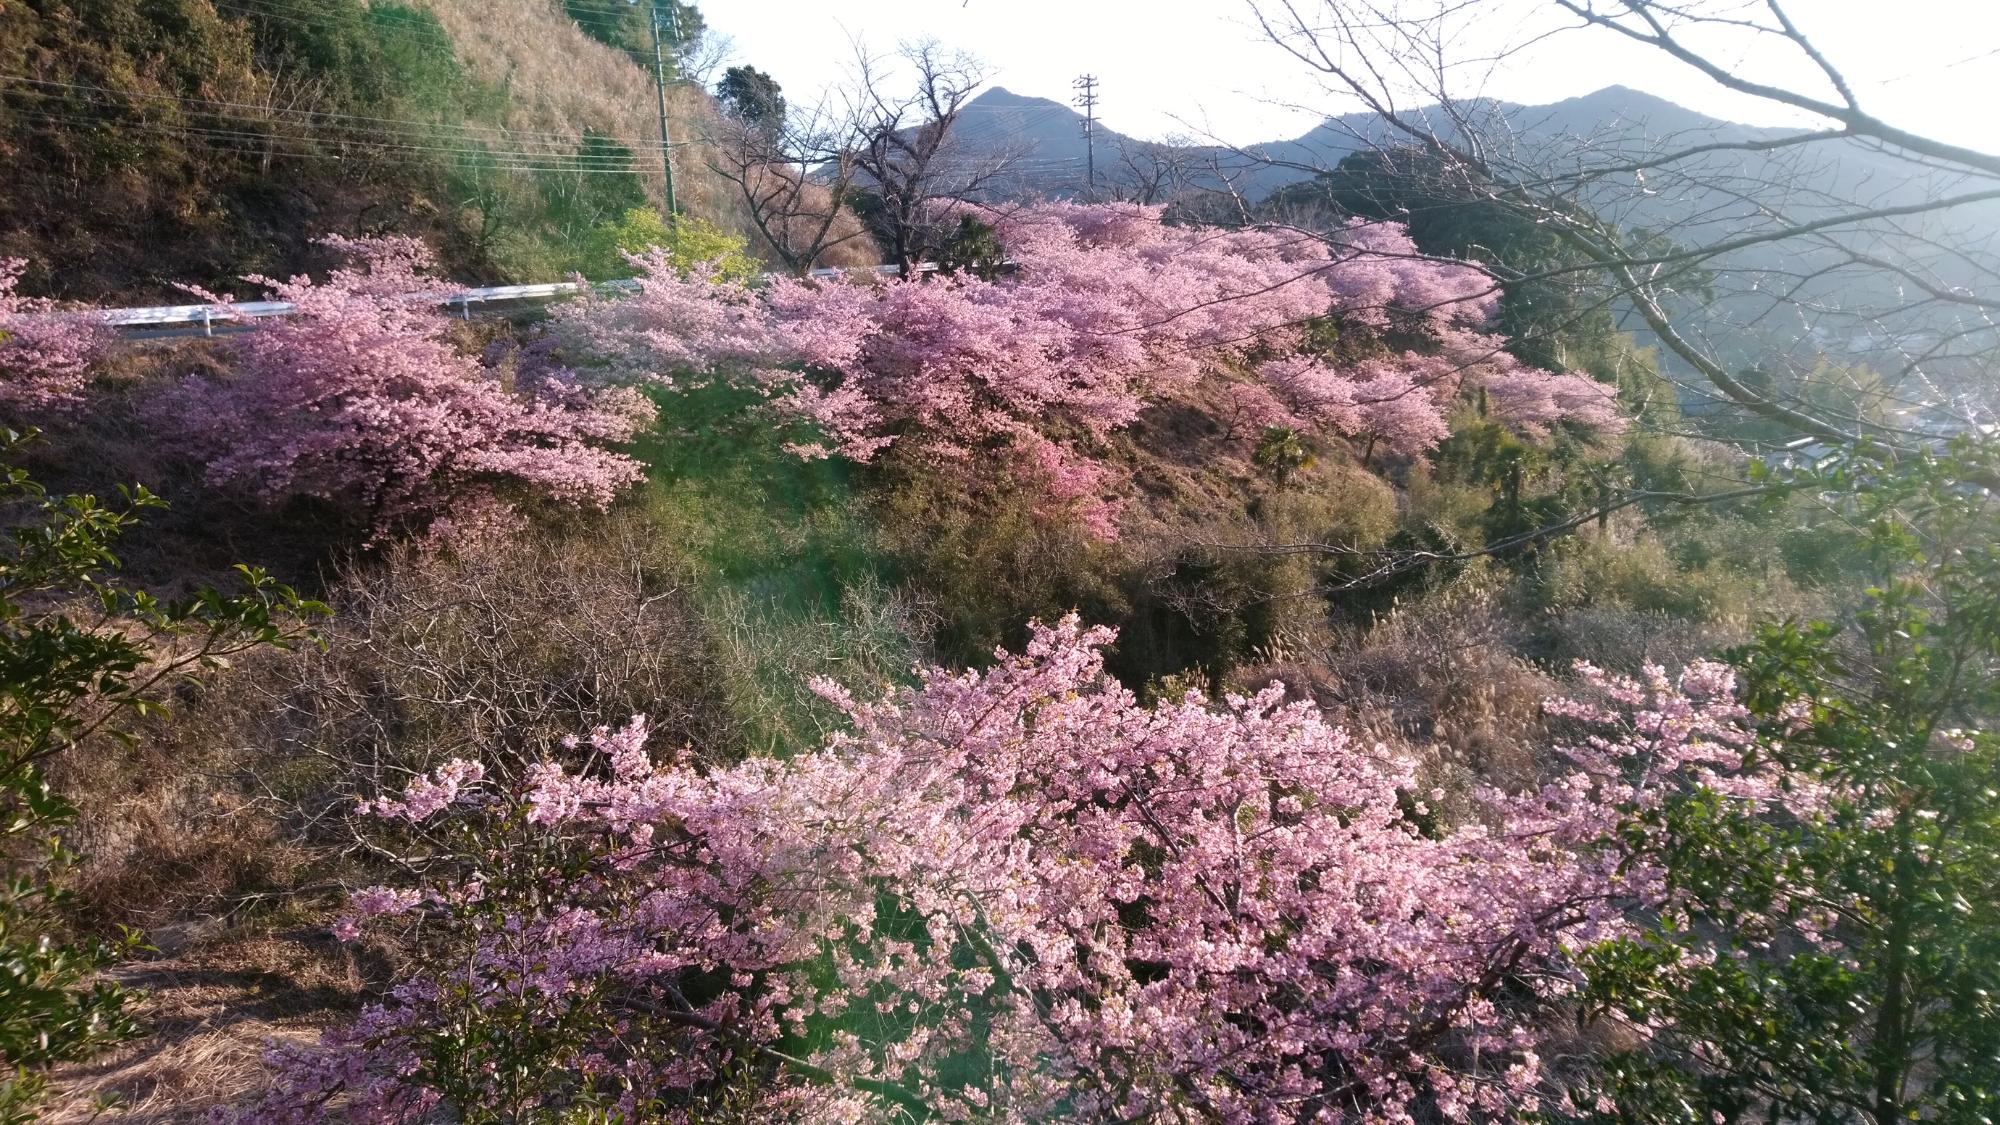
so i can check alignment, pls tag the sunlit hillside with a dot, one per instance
(499, 132)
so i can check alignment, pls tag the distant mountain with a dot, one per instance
(1718, 194)
(1052, 156)
(1044, 138)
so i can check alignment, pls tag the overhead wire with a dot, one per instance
(253, 143)
(503, 147)
(281, 132)
(382, 125)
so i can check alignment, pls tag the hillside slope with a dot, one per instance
(151, 142)
(556, 80)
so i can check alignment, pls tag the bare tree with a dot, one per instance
(793, 174)
(909, 152)
(1145, 173)
(1851, 236)
(1152, 172)
(703, 60)
(287, 103)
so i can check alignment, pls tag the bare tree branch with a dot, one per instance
(1842, 224)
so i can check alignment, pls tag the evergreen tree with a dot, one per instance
(753, 96)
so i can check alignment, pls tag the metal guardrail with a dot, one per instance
(207, 320)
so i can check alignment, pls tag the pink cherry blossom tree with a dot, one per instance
(362, 399)
(1008, 895)
(1106, 311)
(45, 355)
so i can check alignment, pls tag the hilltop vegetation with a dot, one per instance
(159, 142)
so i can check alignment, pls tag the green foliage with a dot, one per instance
(336, 42)
(752, 96)
(421, 72)
(1825, 390)
(203, 143)
(1887, 707)
(590, 189)
(579, 216)
(1646, 576)
(788, 569)
(688, 241)
(987, 564)
(1281, 453)
(973, 247)
(1532, 486)
(628, 27)
(1211, 612)
(79, 655)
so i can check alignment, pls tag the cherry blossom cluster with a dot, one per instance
(45, 356)
(1105, 310)
(1009, 895)
(361, 398)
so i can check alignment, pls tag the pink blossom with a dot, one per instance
(1108, 311)
(1220, 907)
(45, 355)
(361, 399)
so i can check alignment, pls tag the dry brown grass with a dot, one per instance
(221, 830)
(209, 1015)
(499, 649)
(559, 80)
(1442, 676)
(495, 651)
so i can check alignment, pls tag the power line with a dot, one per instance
(376, 125)
(288, 128)
(272, 135)
(305, 147)
(988, 126)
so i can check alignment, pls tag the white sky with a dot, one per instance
(1201, 66)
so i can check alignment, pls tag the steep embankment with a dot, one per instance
(150, 142)
(556, 81)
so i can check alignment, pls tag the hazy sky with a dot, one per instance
(1202, 67)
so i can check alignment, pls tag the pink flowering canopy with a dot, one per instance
(1107, 311)
(45, 355)
(1009, 895)
(362, 398)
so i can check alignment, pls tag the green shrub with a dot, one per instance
(80, 655)
(1643, 576)
(1831, 952)
(784, 563)
(688, 242)
(986, 565)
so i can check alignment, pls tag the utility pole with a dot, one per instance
(1086, 99)
(660, 88)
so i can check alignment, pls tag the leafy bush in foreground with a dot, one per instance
(1844, 967)
(80, 654)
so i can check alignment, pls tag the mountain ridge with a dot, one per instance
(1055, 157)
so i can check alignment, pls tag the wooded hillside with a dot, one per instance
(156, 142)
